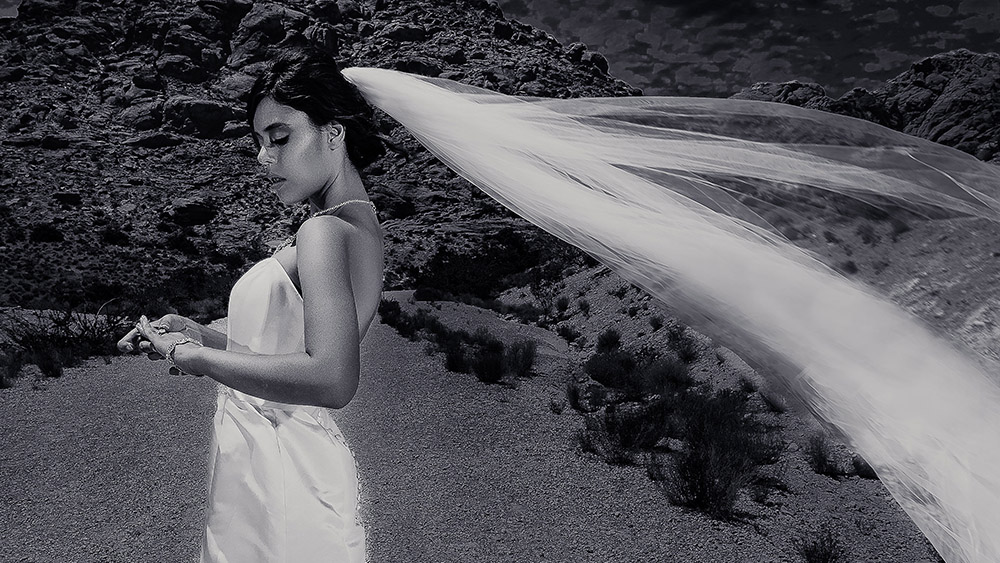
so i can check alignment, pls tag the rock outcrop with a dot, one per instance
(952, 98)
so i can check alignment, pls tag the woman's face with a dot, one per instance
(296, 154)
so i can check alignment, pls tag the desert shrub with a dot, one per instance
(455, 358)
(11, 362)
(521, 357)
(819, 454)
(568, 332)
(612, 369)
(848, 267)
(557, 406)
(632, 427)
(862, 468)
(724, 446)
(619, 291)
(830, 237)
(656, 321)
(824, 548)
(682, 343)
(867, 233)
(390, 312)
(664, 376)
(488, 360)
(53, 340)
(584, 306)
(633, 310)
(595, 438)
(608, 341)
(898, 227)
(431, 294)
(562, 304)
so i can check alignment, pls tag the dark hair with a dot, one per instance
(310, 81)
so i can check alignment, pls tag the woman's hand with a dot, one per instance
(135, 341)
(158, 340)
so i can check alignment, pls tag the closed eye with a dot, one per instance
(280, 140)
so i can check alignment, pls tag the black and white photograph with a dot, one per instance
(498, 281)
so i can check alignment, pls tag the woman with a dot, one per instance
(283, 484)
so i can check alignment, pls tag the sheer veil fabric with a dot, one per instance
(651, 187)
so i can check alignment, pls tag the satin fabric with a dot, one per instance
(283, 485)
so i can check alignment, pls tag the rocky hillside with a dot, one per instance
(126, 169)
(126, 163)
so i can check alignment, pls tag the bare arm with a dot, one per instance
(327, 373)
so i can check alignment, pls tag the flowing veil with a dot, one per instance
(656, 189)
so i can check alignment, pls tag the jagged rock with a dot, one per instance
(68, 199)
(199, 117)
(419, 65)
(266, 24)
(326, 10)
(136, 94)
(155, 140)
(143, 116)
(188, 212)
(322, 36)
(146, 78)
(236, 87)
(184, 40)
(11, 74)
(234, 129)
(400, 31)
(596, 59)
(180, 67)
(575, 51)
(952, 98)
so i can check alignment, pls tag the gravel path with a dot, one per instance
(107, 463)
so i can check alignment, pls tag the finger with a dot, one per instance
(125, 344)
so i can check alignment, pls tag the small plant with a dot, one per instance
(584, 306)
(898, 227)
(562, 304)
(488, 360)
(683, 343)
(11, 362)
(521, 357)
(862, 468)
(568, 332)
(608, 341)
(819, 454)
(633, 310)
(825, 548)
(830, 237)
(725, 444)
(619, 291)
(557, 406)
(867, 233)
(848, 267)
(596, 438)
(53, 340)
(656, 321)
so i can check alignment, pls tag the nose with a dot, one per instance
(263, 157)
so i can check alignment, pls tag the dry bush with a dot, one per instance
(819, 454)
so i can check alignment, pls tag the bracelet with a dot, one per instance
(173, 346)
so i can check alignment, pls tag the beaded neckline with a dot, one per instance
(328, 211)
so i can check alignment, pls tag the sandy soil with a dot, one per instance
(108, 464)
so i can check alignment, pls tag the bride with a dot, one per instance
(283, 484)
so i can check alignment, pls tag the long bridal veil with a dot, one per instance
(656, 189)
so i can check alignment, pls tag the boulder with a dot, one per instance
(180, 67)
(143, 116)
(266, 24)
(197, 116)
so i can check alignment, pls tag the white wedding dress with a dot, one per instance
(283, 486)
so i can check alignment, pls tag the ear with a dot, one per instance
(335, 134)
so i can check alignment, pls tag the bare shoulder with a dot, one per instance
(325, 229)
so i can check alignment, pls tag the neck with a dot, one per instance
(345, 185)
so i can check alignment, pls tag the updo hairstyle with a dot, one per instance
(310, 81)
